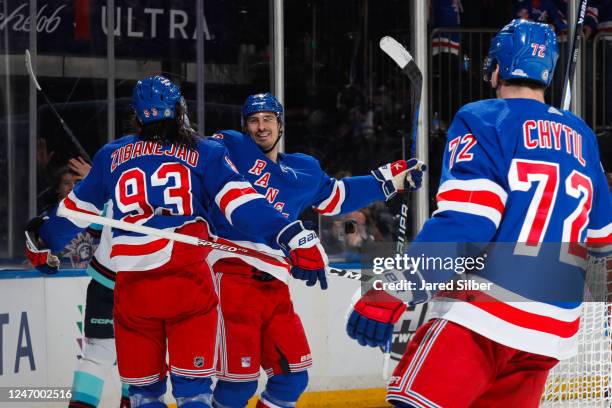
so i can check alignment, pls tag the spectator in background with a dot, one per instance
(541, 11)
(590, 18)
(447, 64)
(449, 75)
(62, 182)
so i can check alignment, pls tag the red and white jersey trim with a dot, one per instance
(133, 253)
(529, 326)
(443, 44)
(205, 372)
(477, 196)
(273, 261)
(72, 202)
(333, 204)
(233, 195)
(600, 240)
(140, 381)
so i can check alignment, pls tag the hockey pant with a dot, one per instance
(258, 328)
(173, 308)
(448, 365)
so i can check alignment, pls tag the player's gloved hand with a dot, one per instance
(399, 176)
(372, 318)
(42, 259)
(308, 259)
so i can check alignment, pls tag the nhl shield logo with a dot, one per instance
(198, 361)
(246, 362)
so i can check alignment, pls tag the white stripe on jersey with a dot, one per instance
(511, 335)
(332, 205)
(480, 197)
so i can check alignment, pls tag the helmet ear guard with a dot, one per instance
(523, 50)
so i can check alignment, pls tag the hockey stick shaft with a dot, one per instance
(404, 60)
(221, 245)
(73, 139)
(573, 56)
(406, 63)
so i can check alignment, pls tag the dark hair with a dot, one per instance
(529, 83)
(57, 175)
(171, 131)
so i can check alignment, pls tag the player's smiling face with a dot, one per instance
(264, 129)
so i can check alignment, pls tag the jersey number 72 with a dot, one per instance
(523, 174)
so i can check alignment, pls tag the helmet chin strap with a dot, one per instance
(266, 151)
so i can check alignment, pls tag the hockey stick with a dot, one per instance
(73, 139)
(220, 244)
(404, 60)
(573, 56)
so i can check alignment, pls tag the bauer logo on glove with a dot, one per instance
(308, 259)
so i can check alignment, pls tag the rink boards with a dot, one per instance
(41, 322)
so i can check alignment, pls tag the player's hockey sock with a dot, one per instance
(230, 394)
(125, 397)
(283, 391)
(98, 356)
(191, 392)
(148, 396)
(86, 390)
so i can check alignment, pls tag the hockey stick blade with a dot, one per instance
(404, 60)
(28, 63)
(396, 51)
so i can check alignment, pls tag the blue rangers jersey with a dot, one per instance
(525, 178)
(163, 186)
(542, 11)
(445, 14)
(292, 185)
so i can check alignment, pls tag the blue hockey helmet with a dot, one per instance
(523, 50)
(154, 98)
(263, 102)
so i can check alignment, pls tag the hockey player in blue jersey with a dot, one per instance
(518, 175)
(259, 326)
(165, 177)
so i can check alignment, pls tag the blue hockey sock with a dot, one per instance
(148, 396)
(191, 392)
(229, 394)
(285, 389)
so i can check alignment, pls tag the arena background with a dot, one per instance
(346, 104)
